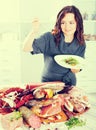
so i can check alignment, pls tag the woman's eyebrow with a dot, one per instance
(68, 21)
(62, 20)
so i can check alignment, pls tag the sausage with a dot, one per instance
(30, 118)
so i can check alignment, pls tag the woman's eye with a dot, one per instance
(62, 23)
(71, 22)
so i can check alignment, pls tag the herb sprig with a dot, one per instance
(73, 122)
(15, 115)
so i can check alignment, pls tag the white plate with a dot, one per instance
(60, 59)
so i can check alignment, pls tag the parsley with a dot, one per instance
(73, 122)
(15, 115)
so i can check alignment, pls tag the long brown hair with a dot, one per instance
(78, 17)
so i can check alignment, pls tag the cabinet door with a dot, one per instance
(86, 79)
(10, 62)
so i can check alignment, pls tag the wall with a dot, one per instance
(15, 23)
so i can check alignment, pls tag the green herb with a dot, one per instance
(15, 115)
(74, 121)
(71, 61)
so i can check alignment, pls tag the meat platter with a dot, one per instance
(37, 104)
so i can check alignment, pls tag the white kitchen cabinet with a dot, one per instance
(86, 79)
(10, 62)
(88, 11)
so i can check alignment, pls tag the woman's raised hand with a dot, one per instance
(35, 25)
(27, 44)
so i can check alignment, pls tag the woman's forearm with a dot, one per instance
(27, 44)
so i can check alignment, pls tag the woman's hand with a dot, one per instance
(35, 25)
(75, 70)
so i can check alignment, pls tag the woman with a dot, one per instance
(66, 38)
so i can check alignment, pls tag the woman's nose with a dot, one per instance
(67, 26)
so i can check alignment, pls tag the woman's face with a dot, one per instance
(68, 24)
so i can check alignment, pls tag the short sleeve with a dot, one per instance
(40, 44)
(81, 50)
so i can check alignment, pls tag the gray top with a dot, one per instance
(52, 71)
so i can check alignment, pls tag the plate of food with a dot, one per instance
(24, 109)
(22, 106)
(70, 61)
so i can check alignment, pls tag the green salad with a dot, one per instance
(71, 61)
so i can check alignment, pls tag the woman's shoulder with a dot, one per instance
(48, 34)
(78, 43)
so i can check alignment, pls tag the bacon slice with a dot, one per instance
(56, 85)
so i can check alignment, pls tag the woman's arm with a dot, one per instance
(27, 44)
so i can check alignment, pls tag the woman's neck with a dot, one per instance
(69, 38)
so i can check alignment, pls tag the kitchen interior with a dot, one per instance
(18, 67)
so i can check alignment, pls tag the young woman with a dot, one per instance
(66, 38)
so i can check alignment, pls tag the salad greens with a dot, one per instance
(71, 61)
(73, 122)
